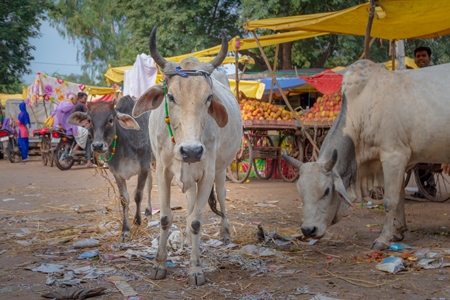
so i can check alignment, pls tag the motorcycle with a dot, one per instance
(61, 147)
(10, 145)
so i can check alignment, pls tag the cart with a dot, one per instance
(263, 141)
(46, 153)
(313, 134)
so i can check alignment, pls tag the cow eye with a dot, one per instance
(171, 98)
(209, 98)
(111, 120)
(327, 191)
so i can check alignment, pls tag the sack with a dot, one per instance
(49, 121)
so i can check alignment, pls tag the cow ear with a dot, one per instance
(77, 118)
(218, 111)
(127, 122)
(150, 100)
(339, 187)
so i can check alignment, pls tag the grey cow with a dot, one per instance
(389, 122)
(132, 153)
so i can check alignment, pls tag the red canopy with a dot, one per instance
(326, 82)
(106, 97)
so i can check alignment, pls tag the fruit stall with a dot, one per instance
(270, 130)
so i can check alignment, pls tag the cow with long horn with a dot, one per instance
(196, 130)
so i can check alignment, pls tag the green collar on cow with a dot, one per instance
(113, 151)
(167, 119)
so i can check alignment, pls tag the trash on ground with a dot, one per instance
(8, 199)
(86, 243)
(175, 241)
(322, 297)
(88, 254)
(433, 263)
(391, 264)
(74, 293)
(396, 247)
(49, 268)
(123, 286)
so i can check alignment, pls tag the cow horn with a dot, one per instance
(217, 61)
(159, 60)
(332, 161)
(292, 161)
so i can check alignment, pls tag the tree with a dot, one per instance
(20, 20)
(98, 25)
(183, 26)
(113, 32)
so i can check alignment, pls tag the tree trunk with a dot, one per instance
(324, 56)
(286, 56)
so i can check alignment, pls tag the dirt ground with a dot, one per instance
(44, 211)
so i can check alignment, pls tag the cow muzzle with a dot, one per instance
(191, 154)
(309, 232)
(98, 147)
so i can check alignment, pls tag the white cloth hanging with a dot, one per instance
(141, 77)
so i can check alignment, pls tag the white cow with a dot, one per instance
(389, 121)
(206, 123)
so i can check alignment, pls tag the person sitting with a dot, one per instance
(62, 113)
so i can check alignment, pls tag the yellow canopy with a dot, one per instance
(251, 89)
(394, 19)
(408, 61)
(95, 90)
(4, 97)
(250, 43)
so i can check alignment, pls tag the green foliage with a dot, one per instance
(114, 32)
(20, 20)
(99, 27)
(183, 26)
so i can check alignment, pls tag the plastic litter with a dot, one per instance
(88, 254)
(391, 265)
(86, 243)
(396, 247)
(123, 286)
(421, 253)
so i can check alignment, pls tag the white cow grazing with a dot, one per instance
(206, 122)
(389, 121)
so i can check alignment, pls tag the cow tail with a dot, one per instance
(212, 201)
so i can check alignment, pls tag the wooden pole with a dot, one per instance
(393, 54)
(237, 45)
(369, 28)
(274, 69)
(274, 78)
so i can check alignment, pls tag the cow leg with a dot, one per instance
(149, 186)
(125, 201)
(221, 197)
(395, 224)
(194, 222)
(191, 197)
(138, 193)
(159, 270)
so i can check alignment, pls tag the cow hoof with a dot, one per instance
(148, 213)
(125, 236)
(196, 279)
(379, 246)
(158, 274)
(138, 221)
(226, 241)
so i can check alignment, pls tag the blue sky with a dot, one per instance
(53, 54)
